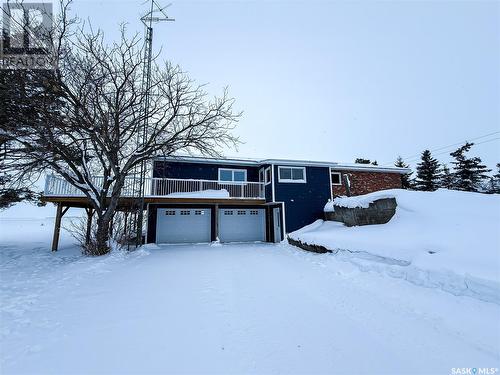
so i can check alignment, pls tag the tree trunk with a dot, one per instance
(101, 245)
(104, 223)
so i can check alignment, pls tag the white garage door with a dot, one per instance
(242, 225)
(180, 225)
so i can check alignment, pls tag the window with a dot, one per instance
(292, 174)
(232, 175)
(336, 178)
(254, 212)
(228, 212)
(265, 175)
(185, 212)
(170, 213)
(199, 212)
(242, 212)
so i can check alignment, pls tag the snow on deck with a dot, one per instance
(210, 193)
(237, 308)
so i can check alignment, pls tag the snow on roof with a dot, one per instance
(308, 163)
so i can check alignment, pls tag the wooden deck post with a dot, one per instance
(90, 214)
(57, 227)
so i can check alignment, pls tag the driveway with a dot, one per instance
(241, 308)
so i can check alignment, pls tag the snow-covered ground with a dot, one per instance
(239, 308)
(447, 239)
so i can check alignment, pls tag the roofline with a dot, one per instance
(291, 162)
(374, 168)
(202, 159)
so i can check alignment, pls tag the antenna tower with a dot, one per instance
(154, 15)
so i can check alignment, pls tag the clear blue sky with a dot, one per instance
(336, 80)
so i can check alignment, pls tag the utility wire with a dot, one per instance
(447, 151)
(412, 158)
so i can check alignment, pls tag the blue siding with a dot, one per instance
(303, 202)
(268, 189)
(269, 192)
(178, 169)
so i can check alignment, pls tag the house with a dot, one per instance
(196, 199)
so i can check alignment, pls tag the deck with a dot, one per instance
(161, 190)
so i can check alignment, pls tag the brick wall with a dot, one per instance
(368, 182)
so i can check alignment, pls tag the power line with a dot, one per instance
(417, 156)
(445, 152)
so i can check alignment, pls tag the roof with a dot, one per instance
(291, 162)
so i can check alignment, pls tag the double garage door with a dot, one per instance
(194, 225)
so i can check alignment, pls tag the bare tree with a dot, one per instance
(89, 118)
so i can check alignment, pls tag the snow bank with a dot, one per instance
(447, 239)
(222, 193)
(361, 201)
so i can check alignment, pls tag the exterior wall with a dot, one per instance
(202, 171)
(304, 202)
(268, 189)
(368, 182)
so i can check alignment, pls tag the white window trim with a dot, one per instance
(303, 181)
(340, 178)
(232, 170)
(265, 176)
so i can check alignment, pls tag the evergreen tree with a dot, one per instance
(405, 178)
(447, 179)
(494, 183)
(428, 173)
(469, 173)
(365, 161)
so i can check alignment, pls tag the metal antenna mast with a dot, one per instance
(155, 14)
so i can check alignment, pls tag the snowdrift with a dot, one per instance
(213, 194)
(446, 239)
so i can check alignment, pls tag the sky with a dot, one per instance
(337, 80)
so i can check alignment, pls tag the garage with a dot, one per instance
(183, 225)
(240, 224)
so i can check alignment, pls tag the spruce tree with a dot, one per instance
(447, 179)
(428, 173)
(469, 173)
(405, 178)
(494, 183)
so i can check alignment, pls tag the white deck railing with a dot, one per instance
(161, 187)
